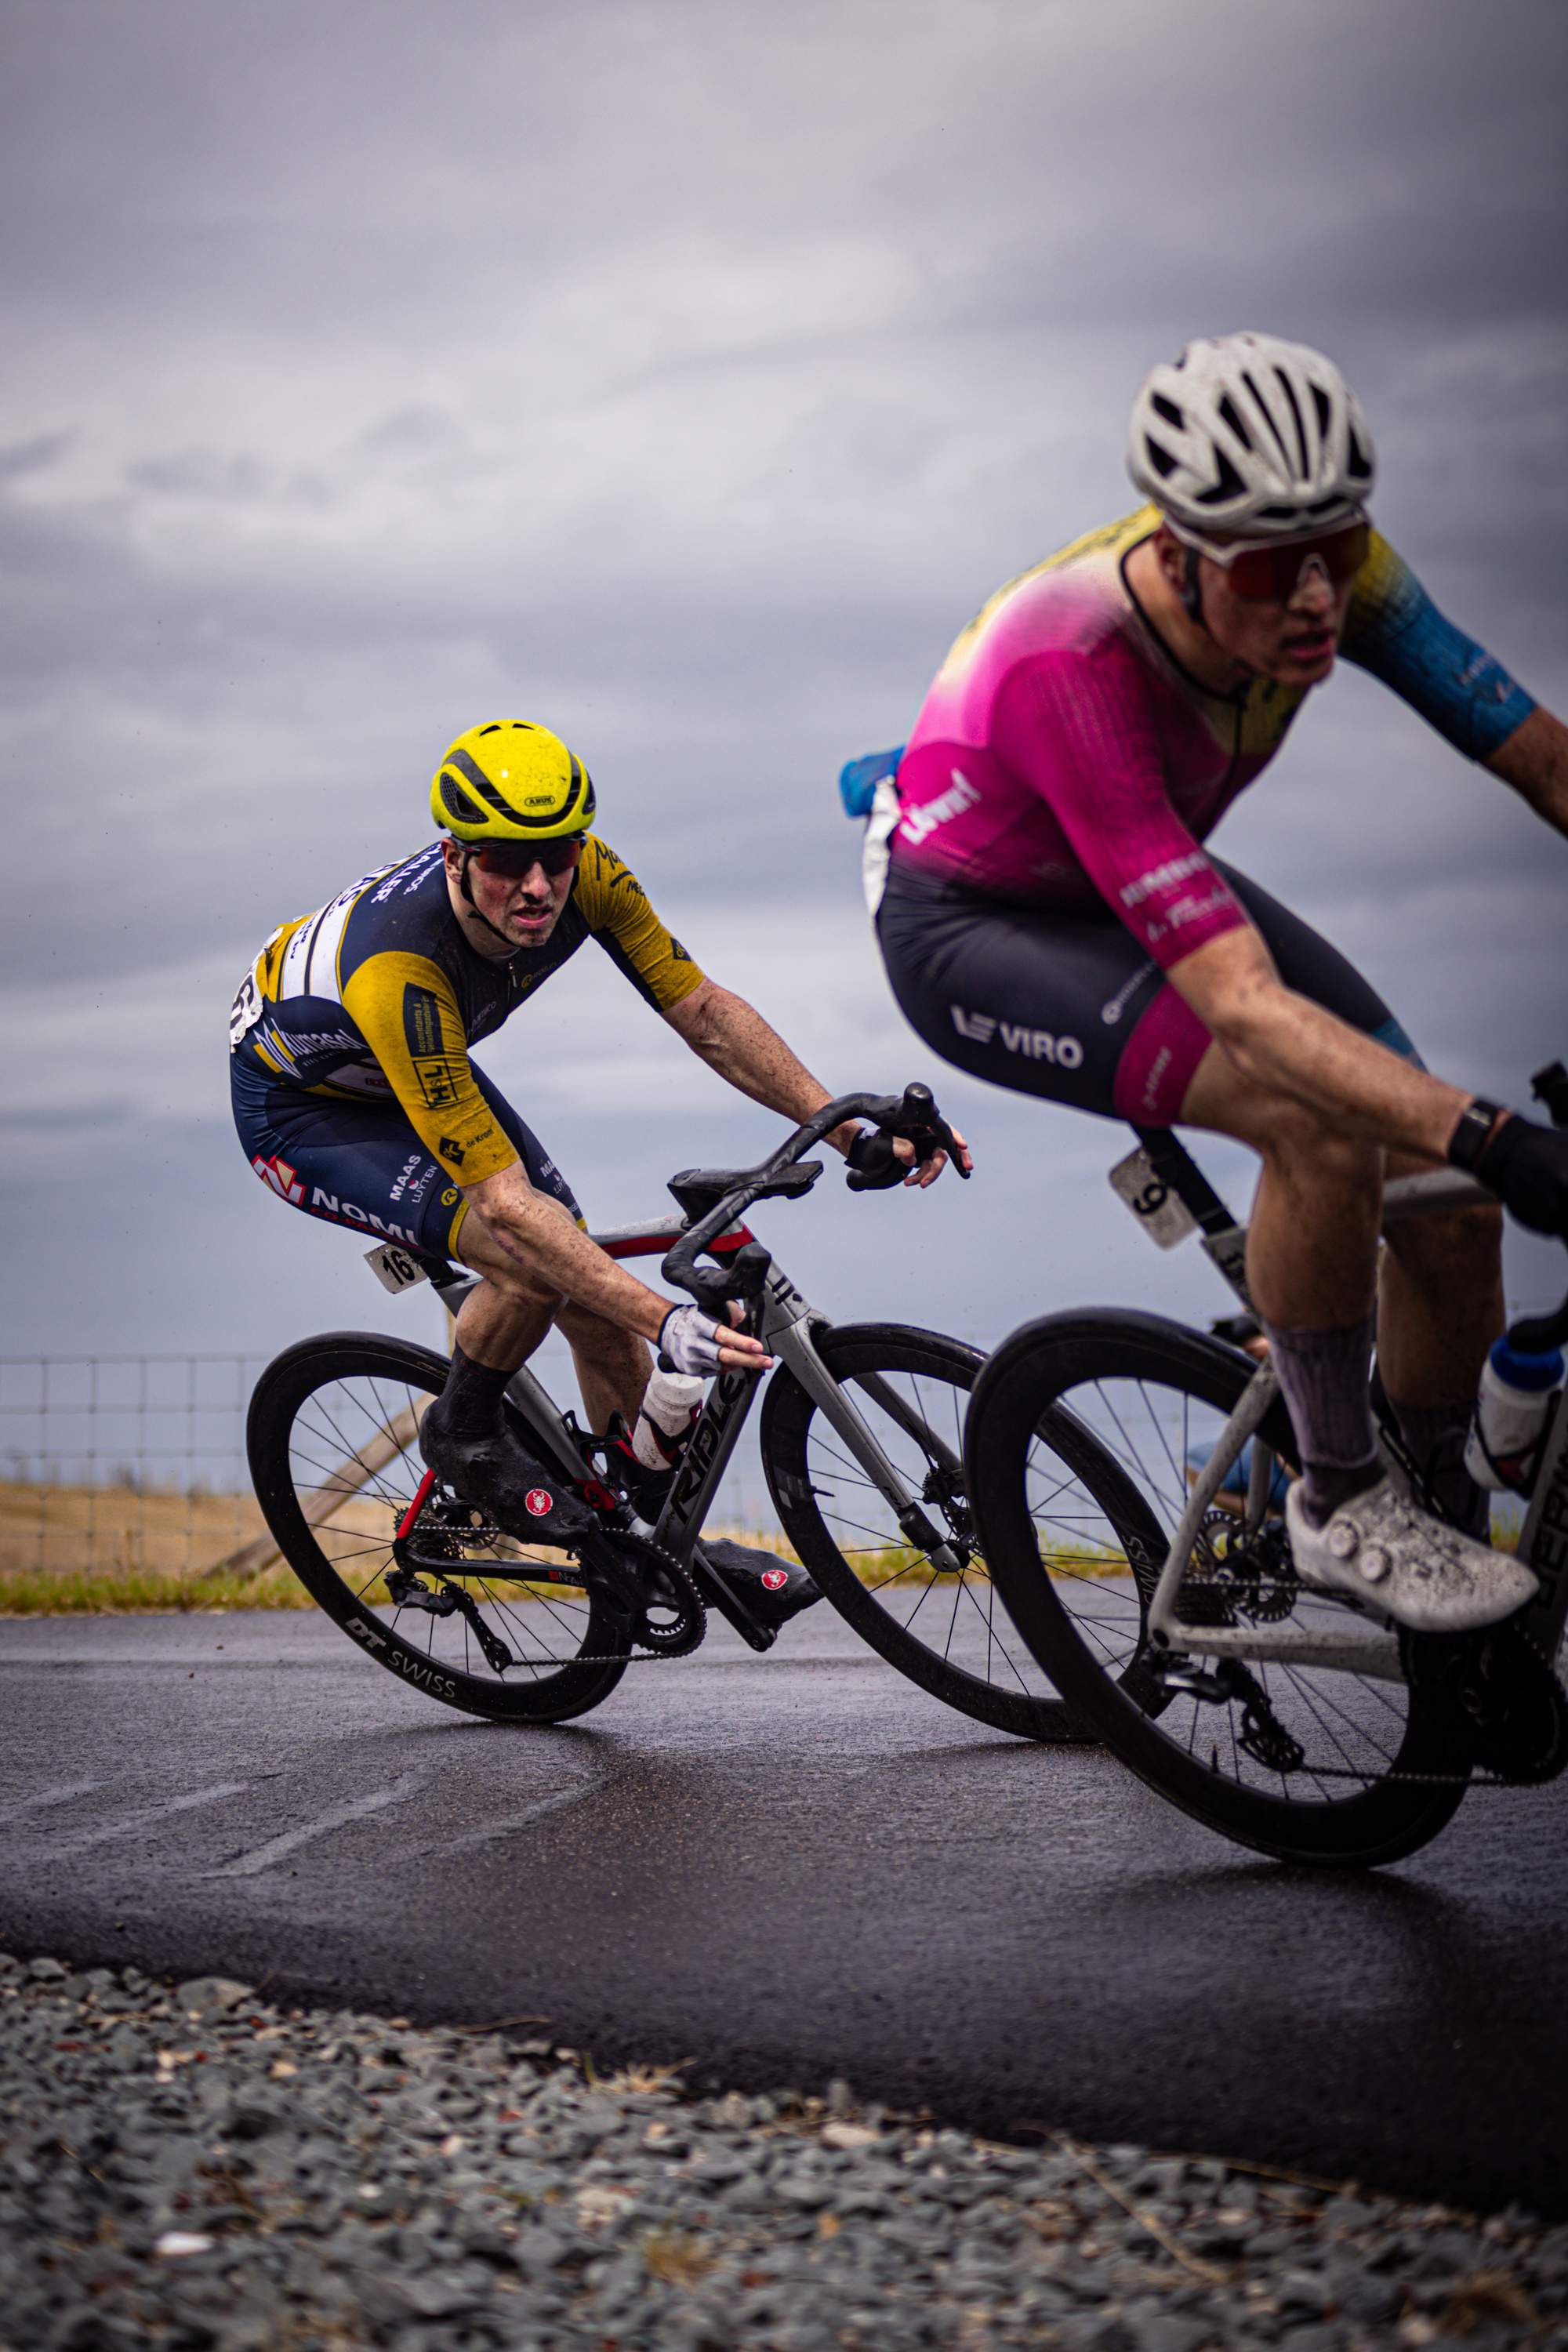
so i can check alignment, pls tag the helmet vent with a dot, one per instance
(1229, 485)
(1360, 459)
(1165, 465)
(1286, 386)
(1167, 409)
(1232, 415)
(456, 801)
(1321, 403)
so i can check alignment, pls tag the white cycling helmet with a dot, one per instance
(1248, 433)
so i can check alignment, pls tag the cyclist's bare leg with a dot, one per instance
(613, 1365)
(1312, 1266)
(1311, 1255)
(1441, 1302)
(506, 1316)
(1312, 1247)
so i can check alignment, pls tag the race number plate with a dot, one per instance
(394, 1268)
(1164, 1215)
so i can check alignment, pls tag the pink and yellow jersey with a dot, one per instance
(1064, 758)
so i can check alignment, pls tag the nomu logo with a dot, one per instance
(279, 1178)
(538, 1501)
(1037, 1045)
(960, 795)
(451, 1151)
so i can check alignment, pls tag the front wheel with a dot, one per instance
(497, 1630)
(1316, 1764)
(939, 1623)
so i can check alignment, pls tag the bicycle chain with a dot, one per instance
(691, 1624)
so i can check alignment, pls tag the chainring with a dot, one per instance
(1498, 1694)
(641, 1578)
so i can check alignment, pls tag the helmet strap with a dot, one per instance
(511, 945)
(1190, 592)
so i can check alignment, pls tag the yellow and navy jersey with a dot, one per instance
(380, 994)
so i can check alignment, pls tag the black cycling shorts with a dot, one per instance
(361, 1164)
(1070, 1005)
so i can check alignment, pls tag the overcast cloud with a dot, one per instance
(684, 376)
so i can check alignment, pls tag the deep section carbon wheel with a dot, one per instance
(461, 1612)
(938, 1619)
(1301, 1759)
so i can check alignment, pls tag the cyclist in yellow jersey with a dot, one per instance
(355, 1098)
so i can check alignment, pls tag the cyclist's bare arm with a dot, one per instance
(733, 1039)
(529, 1234)
(1270, 1041)
(1534, 761)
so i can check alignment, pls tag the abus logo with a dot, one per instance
(1039, 1044)
(538, 1501)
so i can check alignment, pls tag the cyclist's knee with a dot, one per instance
(1299, 1142)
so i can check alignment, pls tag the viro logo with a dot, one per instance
(1037, 1045)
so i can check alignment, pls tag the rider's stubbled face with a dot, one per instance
(1292, 642)
(525, 911)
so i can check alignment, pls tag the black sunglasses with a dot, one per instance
(510, 860)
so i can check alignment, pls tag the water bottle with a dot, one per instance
(1511, 1406)
(670, 1406)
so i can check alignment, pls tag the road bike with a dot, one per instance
(861, 1441)
(1296, 1722)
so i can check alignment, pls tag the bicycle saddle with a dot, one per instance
(699, 1189)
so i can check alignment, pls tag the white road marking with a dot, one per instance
(148, 1816)
(336, 1817)
(503, 1823)
(60, 1796)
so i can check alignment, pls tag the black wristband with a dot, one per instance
(1472, 1134)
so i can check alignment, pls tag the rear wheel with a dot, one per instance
(499, 1629)
(941, 1625)
(1314, 1763)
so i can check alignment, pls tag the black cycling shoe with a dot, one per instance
(773, 1590)
(491, 1469)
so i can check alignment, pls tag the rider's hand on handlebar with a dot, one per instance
(1527, 1167)
(881, 1161)
(926, 1171)
(689, 1341)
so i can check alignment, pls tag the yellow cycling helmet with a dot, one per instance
(511, 781)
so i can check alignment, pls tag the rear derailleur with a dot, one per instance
(1260, 1733)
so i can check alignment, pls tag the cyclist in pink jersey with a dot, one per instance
(1051, 920)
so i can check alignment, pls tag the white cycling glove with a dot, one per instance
(688, 1342)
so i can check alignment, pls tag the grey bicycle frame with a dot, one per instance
(786, 1325)
(1542, 1544)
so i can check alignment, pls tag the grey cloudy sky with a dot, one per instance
(684, 376)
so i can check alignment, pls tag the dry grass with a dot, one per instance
(68, 1551)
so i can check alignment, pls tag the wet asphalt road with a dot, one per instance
(788, 1869)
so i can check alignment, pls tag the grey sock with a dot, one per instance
(1323, 1377)
(1434, 1434)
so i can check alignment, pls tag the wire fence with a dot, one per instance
(123, 1462)
(128, 1474)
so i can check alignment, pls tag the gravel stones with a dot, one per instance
(186, 2166)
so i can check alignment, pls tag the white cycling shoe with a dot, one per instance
(1381, 1548)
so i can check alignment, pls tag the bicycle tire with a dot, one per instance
(943, 1633)
(1380, 1771)
(316, 1414)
